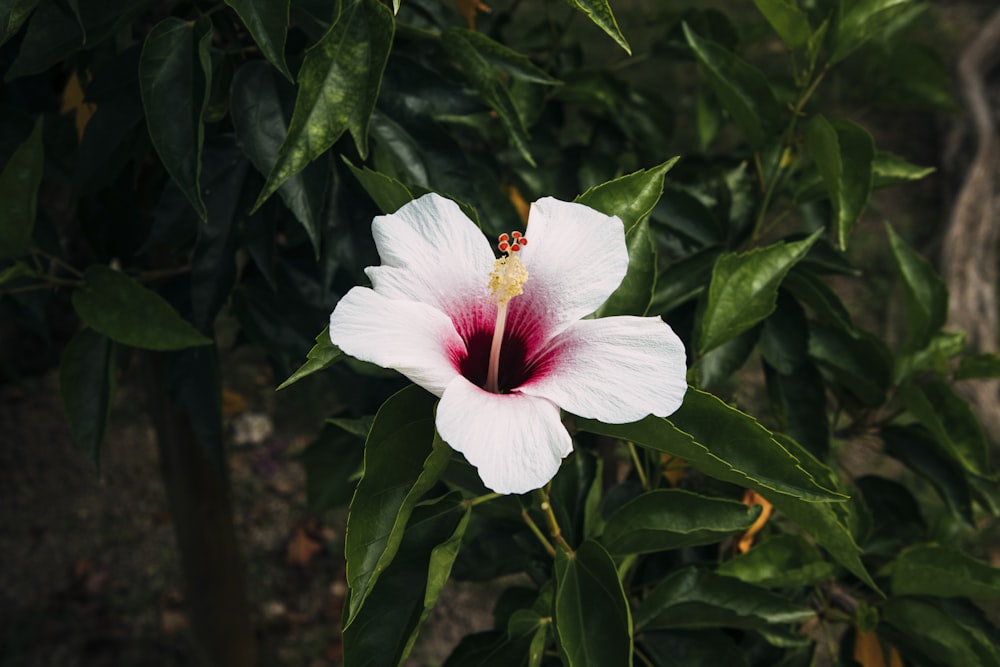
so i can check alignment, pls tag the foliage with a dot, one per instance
(229, 157)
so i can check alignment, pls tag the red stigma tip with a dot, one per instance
(515, 248)
(503, 246)
(523, 241)
(516, 235)
(502, 238)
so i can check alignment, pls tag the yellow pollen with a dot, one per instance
(507, 279)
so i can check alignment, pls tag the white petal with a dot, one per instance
(432, 253)
(614, 369)
(575, 256)
(516, 442)
(413, 338)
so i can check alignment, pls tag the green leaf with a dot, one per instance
(384, 631)
(16, 270)
(484, 77)
(599, 11)
(267, 21)
(175, 77)
(403, 459)
(930, 633)
(723, 443)
(19, 183)
(843, 153)
(673, 518)
(944, 572)
(740, 87)
(690, 648)
(810, 289)
(683, 280)
(954, 426)
(593, 622)
(862, 21)
(744, 289)
(798, 401)
(860, 362)
(925, 293)
(87, 386)
(387, 193)
(986, 365)
(782, 561)
(888, 170)
(719, 363)
(917, 449)
(635, 293)
(630, 197)
(322, 355)
(506, 59)
(123, 310)
(261, 122)
(338, 83)
(13, 14)
(790, 22)
(692, 598)
(332, 461)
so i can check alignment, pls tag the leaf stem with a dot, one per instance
(554, 530)
(478, 500)
(642, 656)
(538, 533)
(61, 264)
(639, 468)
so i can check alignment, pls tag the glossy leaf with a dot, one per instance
(503, 58)
(337, 86)
(917, 449)
(683, 280)
(123, 310)
(721, 442)
(13, 14)
(681, 648)
(744, 289)
(861, 363)
(403, 459)
(740, 87)
(692, 598)
(782, 561)
(630, 197)
(862, 21)
(932, 633)
(267, 21)
(87, 385)
(593, 622)
(384, 631)
(944, 572)
(634, 294)
(323, 355)
(952, 422)
(925, 293)
(19, 183)
(719, 363)
(175, 77)
(799, 403)
(888, 170)
(811, 291)
(788, 21)
(843, 152)
(261, 122)
(599, 11)
(673, 518)
(387, 193)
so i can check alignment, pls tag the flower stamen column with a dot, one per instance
(506, 281)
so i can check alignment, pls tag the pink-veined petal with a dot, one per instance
(575, 256)
(432, 253)
(614, 369)
(516, 442)
(413, 338)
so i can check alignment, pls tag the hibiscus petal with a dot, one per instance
(614, 369)
(575, 256)
(413, 338)
(432, 253)
(516, 442)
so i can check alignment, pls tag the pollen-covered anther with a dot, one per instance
(509, 275)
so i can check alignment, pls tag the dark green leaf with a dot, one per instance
(744, 289)
(724, 443)
(782, 561)
(175, 75)
(631, 197)
(123, 310)
(741, 88)
(683, 280)
(861, 21)
(932, 633)
(916, 448)
(332, 461)
(383, 632)
(926, 294)
(506, 59)
(719, 363)
(986, 365)
(13, 14)
(387, 193)
(798, 401)
(954, 426)
(323, 355)
(843, 152)
(87, 385)
(634, 294)
(788, 21)
(673, 518)
(810, 289)
(403, 459)
(691, 598)
(944, 572)
(19, 183)
(593, 622)
(338, 84)
(16, 270)
(267, 21)
(261, 121)
(888, 169)
(599, 11)
(861, 362)
(691, 648)
(784, 338)
(574, 491)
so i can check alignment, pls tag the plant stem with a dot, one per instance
(550, 516)
(538, 533)
(639, 468)
(472, 502)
